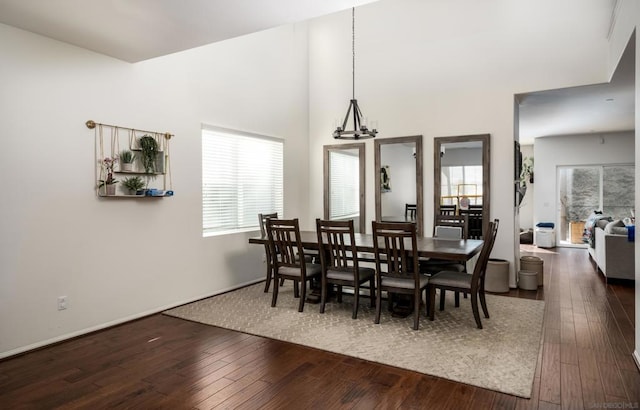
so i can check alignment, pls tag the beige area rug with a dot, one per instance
(501, 357)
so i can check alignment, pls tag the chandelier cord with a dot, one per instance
(353, 51)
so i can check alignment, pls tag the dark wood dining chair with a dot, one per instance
(464, 282)
(262, 219)
(339, 261)
(446, 227)
(455, 221)
(397, 270)
(310, 255)
(447, 209)
(475, 222)
(410, 212)
(284, 239)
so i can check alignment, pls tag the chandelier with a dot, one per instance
(360, 130)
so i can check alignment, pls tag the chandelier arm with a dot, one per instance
(356, 115)
(346, 117)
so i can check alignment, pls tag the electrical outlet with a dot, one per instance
(62, 302)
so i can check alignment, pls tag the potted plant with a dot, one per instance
(149, 152)
(133, 185)
(109, 182)
(126, 160)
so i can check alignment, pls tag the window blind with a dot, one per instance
(242, 176)
(344, 175)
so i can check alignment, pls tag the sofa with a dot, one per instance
(612, 251)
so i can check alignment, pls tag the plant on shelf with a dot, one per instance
(149, 152)
(133, 184)
(126, 160)
(109, 182)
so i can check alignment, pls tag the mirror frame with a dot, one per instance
(486, 171)
(326, 178)
(417, 139)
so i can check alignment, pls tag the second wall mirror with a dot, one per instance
(461, 179)
(344, 184)
(398, 162)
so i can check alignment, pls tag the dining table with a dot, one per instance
(460, 250)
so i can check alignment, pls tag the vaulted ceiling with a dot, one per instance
(142, 29)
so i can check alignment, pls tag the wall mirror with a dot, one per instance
(461, 179)
(344, 184)
(398, 162)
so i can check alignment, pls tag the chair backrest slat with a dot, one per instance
(410, 210)
(448, 209)
(395, 247)
(337, 239)
(475, 222)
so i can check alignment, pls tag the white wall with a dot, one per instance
(445, 69)
(119, 259)
(552, 152)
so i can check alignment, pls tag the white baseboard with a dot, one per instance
(636, 358)
(119, 321)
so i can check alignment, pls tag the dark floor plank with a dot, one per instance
(571, 388)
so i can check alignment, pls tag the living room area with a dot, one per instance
(577, 185)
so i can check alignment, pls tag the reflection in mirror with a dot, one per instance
(461, 173)
(344, 184)
(399, 188)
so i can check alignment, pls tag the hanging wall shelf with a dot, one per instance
(131, 163)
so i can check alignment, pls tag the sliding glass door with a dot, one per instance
(585, 189)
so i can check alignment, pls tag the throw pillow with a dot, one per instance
(603, 222)
(616, 227)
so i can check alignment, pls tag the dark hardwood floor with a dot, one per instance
(164, 362)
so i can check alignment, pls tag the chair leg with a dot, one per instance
(323, 295)
(416, 308)
(296, 292)
(442, 295)
(474, 306)
(378, 305)
(274, 297)
(372, 291)
(457, 298)
(303, 290)
(268, 281)
(356, 301)
(431, 305)
(339, 293)
(281, 281)
(483, 303)
(426, 301)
